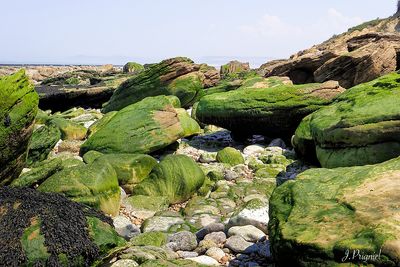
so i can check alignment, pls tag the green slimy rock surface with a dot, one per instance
(91, 156)
(144, 127)
(258, 107)
(39, 173)
(43, 141)
(18, 108)
(131, 169)
(361, 127)
(69, 129)
(177, 177)
(156, 239)
(133, 67)
(316, 218)
(231, 156)
(176, 76)
(94, 184)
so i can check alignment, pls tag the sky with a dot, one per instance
(146, 31)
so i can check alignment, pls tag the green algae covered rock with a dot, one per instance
(327, 212)
(131, 169)
(69, 129)
(262, 106)
(231, 156)
(361, 127)
(132, 67)
(176, 76)
(156, 239)
(142, 128)
(94, 184)
(43, 141)
(177, 177)
(18, 108)
(91, 156)
(39, 173)
(47, 229)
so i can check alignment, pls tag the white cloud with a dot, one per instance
(270, 25)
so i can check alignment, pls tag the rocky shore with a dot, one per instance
(180, 164)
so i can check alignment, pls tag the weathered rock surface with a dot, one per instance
(144, 127)
(256, 109)
(361, 127)
(176, 76)
(325, 213)
(360, 55)
(18, 108)
(234, 67)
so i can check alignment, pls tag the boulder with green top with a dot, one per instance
(177, 177)
(47, 229)
(43, 141)
(18, 108)
(94, 184)
(361, 127)
(327, 212)
(69, 130)
(142, 128)
(132, 67)
(131, 169)
(39, 173)
(91, 156)
(176, 76)
(231, 156)
(265, 106)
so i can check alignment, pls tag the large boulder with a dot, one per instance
(144, 127)
(18, 108)
(338, 216)
(47, 229)
(256, 108)
(177, 177)
(176, 76)
(94, 184)
(361, 127)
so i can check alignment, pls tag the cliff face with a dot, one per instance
(361, 54)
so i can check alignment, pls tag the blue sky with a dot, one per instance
(115, 31)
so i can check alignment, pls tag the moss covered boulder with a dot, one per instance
(132, 67)
(94, 184)
(177, 177)
(231, 156)
(69, 130)
(144, 127)
(176, 76)
(47, 229)
(43, 141)
(261, 107)
(327, 213)
(18, 108)
(131, 169)
(361, 127)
